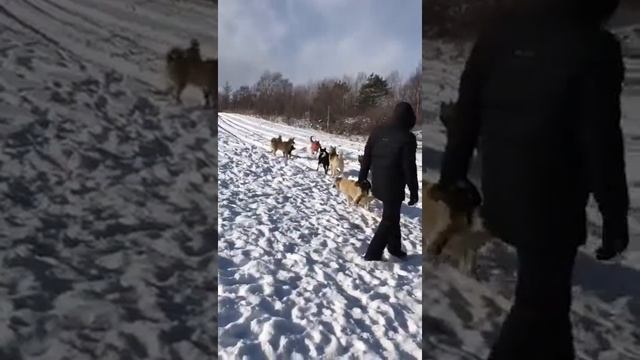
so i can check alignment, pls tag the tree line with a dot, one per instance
(350, 105)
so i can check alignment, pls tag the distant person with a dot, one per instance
(541, 92)
(390, 154)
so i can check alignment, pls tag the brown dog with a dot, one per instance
(352, 190)
(448, 232)
(186, 67)
(285, 146)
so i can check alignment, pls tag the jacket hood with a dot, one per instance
(403, 115)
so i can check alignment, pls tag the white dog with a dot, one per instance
(336, 164)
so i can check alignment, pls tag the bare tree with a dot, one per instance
(354, 104)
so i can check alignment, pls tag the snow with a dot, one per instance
(292, 283)
(462, 316)
(107, 188)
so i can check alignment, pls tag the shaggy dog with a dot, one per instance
(285, 146)
(315, 146)
(451, 226)
(336, 162)
(323, 159)
(353, 190)
(275, 143)
(186, 67)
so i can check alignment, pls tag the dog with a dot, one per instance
(286, 147)
(275, 143)
(290, 151)
(451, 225)
(353, 190)
(365, 201)
(186, 67)
(336, 163)
(323, 159)
(315, 146)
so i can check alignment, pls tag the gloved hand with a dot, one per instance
(413, 199)
(615, 237)
(364, 184)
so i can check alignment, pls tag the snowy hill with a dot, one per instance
(292, 284)
(462, 316)
(107, 189)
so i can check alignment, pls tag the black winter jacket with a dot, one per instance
(390, 154)
(543, 98)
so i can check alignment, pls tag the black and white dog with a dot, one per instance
(323, 159)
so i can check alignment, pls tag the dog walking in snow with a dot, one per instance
(336, 162)
(323, 159)
(286, 147)
(315, 146)
(357, 193)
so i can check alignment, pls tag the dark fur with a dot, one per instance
(186, 66)
(323, 159)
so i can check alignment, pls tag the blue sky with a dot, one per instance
(314, 39)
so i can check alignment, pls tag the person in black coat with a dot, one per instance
(390, 154)
(541, 92)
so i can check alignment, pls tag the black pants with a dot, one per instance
(388, 232)
(538, 326)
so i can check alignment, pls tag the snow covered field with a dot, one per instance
(292, 284)
(462, 316)
(107, 189)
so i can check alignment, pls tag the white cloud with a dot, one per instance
(315, 39)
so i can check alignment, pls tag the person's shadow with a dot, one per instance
(412, 212)
(609, 281)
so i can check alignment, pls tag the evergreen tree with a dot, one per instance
(373, 92)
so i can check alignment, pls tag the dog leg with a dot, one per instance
(357, 200)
